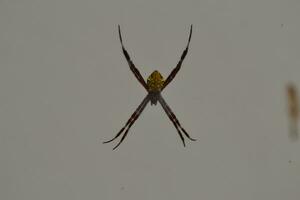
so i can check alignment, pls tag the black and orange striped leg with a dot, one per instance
(178, 66)
(174, 119)
(130, 121)
(174, 123)
(130, 63)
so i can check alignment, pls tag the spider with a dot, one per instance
(154, 86)
(293, 108)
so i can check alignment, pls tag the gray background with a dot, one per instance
(65, 87)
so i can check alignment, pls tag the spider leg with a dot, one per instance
(130, 63)
(173, 116)
(130, 121)
(164, 105)
(178, 66)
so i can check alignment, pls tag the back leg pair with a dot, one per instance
(174, 120)
(130, 121)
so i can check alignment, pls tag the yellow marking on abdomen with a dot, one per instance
(155, 81)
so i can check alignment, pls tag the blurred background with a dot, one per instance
(65, 87)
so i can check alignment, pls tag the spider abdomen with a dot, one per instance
(155, 81)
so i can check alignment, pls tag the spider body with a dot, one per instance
(155, 82)
(293, 108)
(154, 86)
(154, 97)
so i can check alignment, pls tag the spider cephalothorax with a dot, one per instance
(155, 84)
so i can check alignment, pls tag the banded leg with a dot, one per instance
(173, 117)
(130, 121)
(127, 130)
(172, 120)
(130, 63)
(178, 66)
